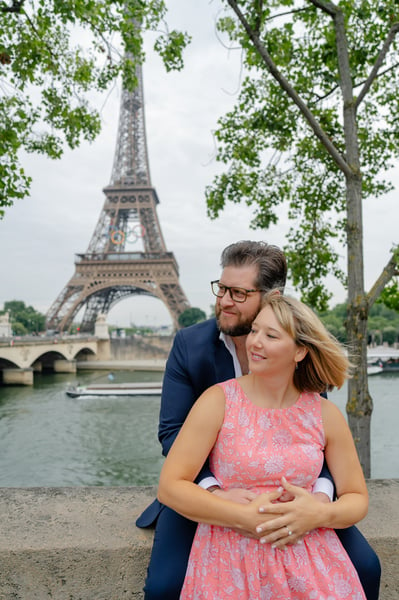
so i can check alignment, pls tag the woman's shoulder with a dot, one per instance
(330, 411)
(231, 385)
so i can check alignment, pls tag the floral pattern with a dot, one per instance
(255, 448)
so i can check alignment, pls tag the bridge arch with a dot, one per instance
(57, 354)
(7, 364)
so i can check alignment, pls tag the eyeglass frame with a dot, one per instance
(229, 289)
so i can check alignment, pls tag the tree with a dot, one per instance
(47, 78)
(190, 316)
(390, 295)
(315, 127)
(24, 319)
(383, 323)
(335, 325)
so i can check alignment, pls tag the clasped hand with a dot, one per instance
(279, 518)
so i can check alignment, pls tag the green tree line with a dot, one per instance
(383, 326)
(24, 319)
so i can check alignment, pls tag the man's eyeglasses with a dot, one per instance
(237, 294)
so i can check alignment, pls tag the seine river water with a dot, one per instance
(49, 439)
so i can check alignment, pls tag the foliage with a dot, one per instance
(18, 329)
(383, 323)
(24, 319)
(335, 324)
(315, 130)
(53, 55)
(190, 316)
(390, 295)
(288, 140)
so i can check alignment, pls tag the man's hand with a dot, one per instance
(239, 495)
(252, 501)
(288, 522)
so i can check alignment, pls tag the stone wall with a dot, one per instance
(82, 544)
(148, 347)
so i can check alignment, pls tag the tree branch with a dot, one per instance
(291, 92)
(390, 270)
(259, 9)
(356, 85)
(380, 59)
(328, 7)
(287, 12)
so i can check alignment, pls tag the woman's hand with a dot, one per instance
(248, 517)
(289, 521)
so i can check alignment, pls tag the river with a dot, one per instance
(49, 439)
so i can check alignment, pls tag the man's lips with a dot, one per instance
(229, 313)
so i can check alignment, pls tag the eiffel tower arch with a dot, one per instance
(127, 255)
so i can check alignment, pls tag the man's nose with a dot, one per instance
(226, 299)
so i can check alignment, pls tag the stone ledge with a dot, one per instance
(82, 544)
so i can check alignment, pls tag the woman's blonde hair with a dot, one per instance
(326, 364)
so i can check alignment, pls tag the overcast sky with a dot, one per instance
(40, 235)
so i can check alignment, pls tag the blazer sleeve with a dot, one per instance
(178, 394)
(195, 363)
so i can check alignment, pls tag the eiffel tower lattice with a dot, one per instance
(127, 253)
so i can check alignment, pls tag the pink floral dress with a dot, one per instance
(255, 448)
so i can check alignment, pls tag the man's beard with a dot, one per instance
(241, 328)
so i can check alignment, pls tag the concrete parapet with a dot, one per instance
(82, 544)
(72, 543)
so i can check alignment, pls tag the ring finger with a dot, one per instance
(279, 538)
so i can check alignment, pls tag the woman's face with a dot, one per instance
(270, 349)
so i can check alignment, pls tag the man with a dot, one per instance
(205, 354)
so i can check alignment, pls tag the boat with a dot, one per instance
(116, 389)
(385, 357)
(375, 368)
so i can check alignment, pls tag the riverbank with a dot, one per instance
(81, 543)
(154, 364)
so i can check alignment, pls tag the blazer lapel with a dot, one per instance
(224, 366)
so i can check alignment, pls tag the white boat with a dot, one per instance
(374, 369)
(116, 389)
(385, 357)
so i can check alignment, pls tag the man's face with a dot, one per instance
(235, 318)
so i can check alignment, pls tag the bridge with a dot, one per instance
(21, 357)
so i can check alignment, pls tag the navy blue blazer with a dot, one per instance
(197, 360)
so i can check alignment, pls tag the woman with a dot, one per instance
(267, 432)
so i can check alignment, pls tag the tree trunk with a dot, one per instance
(360, 428)
(360, 405)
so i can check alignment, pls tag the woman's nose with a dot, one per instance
(257, 339)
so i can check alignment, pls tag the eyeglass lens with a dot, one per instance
(236, 294)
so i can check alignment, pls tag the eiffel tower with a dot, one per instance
(126, 255)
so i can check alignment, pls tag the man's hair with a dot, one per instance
(326, 364)
(270, 262)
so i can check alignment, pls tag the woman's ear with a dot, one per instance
(300, 353)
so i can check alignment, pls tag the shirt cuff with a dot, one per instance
(208, 482)
(324, 485)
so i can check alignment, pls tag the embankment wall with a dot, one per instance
(82, 543)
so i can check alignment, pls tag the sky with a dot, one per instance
(40, 235)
